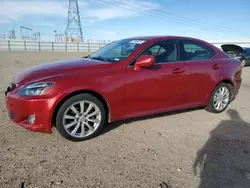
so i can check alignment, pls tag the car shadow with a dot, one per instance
(224, 160)
(111, 126)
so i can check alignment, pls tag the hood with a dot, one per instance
(231, 47)
(58, 68)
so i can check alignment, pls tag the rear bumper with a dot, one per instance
(236, 89)
(247, 62)
(20, 108)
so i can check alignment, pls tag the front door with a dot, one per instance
(159, 87)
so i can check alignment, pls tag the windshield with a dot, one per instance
(234, 52)
(117, 51)
(247, 51)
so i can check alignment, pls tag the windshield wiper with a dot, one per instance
(88, 56)
(98, 58)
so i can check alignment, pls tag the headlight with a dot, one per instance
(37, 88)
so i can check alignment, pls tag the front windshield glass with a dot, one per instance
(117, 51)
(247, 51)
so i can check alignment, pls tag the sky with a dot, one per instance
(212, 20)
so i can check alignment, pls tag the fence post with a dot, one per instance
(52, 46)
(66, 46)
(78, 46)
(88, 47)
(9, 45)
(25, 45)
(39, 46)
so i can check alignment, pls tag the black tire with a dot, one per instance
(210, 107)
(69, 102)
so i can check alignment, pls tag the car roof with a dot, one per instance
(165, 37)
(161, 37)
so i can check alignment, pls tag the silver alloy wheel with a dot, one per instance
(221, 98)
(81, 119)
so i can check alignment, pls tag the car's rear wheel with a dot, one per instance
(81, 117)
(220, 98)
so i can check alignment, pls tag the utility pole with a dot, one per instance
(2, 36)
(25, 33)
(38, 36)
(59, 37)
(74, 27)
(12, 34)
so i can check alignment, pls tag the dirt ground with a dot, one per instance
(142, 152)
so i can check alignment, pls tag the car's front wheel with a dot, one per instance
(80, 117)
(220, 98)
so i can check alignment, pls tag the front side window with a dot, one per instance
(164, 51)
(192, 50)
(117, 51)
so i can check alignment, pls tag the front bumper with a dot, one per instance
(19, 108)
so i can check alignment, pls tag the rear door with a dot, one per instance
(201, 69)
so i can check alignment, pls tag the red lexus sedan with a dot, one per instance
(128, 78)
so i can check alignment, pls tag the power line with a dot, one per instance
(180, 17)
(186, 21)
(164, 18)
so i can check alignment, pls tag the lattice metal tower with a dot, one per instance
(74, 27)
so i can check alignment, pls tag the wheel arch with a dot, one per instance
(94, 93)
(227, 81)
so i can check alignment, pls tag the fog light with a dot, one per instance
(32, 118)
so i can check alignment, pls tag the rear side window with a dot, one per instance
(192, 50)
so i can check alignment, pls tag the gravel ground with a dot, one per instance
(157, 151)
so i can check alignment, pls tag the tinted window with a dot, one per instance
(191, 50)
(164, 51)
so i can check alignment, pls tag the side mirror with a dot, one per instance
(144, 61)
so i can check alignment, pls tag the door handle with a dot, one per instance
(178, 71)
(216, 66)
